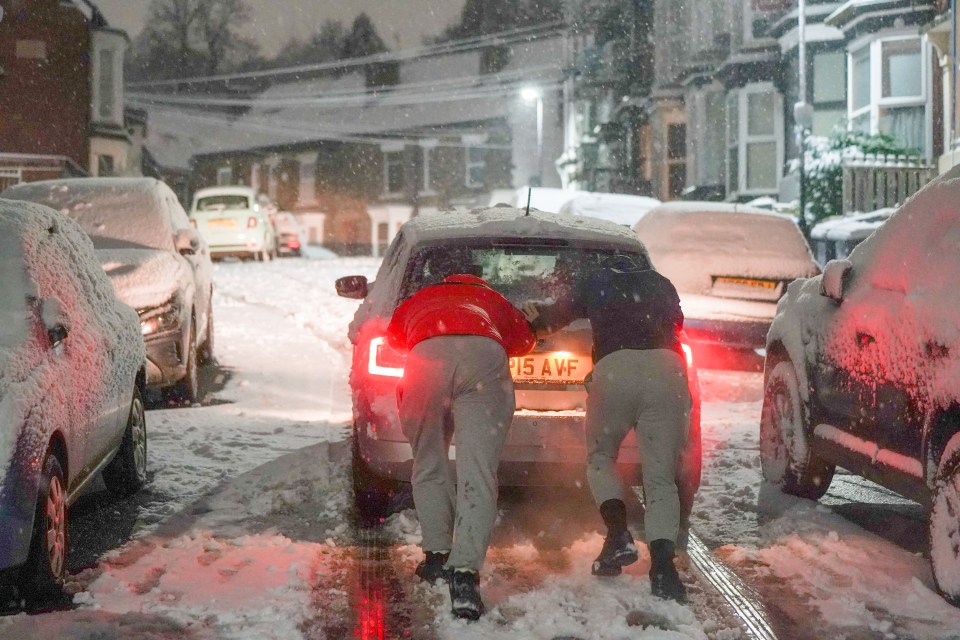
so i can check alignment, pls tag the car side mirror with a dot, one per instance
(55, 320)
(187, 242)
(355, 287)
(836, 274)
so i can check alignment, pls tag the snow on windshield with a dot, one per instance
(692, 247)
(116, 214)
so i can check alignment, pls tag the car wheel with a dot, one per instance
(205, 352)
(786, 455)
(944, 529)
(374, 497)
(127, 472)
(188, 389)
(46, 566)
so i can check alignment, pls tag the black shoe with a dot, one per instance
(664, 579)
(464, 597)
(618, 551)
(431, 568)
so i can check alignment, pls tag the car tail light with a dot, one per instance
(384, 361)
(251, 222)
(688, 354)
(193, 222)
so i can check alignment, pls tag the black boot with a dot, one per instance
(464, 594)
(664, 579)
(619, 549)
(431, 567)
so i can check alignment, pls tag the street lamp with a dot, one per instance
(802, 111)
(531, 94)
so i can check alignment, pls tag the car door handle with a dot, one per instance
(936, 350)
(864, 340)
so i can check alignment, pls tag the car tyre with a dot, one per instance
(786, 452)
(188, 389)
(944, 529)
(375, 498)
(205, 352)
(127, 472)
(46, 567)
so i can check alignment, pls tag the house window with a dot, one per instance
(107, 82)
(676, 159)
(888, 89)
(105, 166)
(224, 176)
(754, 140)
(829, 91)
(476, 162)
(393, 172)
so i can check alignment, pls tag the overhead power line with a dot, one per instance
(513, 36)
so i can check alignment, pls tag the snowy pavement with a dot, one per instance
(244, 530)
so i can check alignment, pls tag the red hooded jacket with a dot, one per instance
(461, 305)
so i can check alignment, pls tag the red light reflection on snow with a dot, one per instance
(371, 623)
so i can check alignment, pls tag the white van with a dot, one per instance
(233, 223)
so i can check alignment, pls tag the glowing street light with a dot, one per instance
(529, 95)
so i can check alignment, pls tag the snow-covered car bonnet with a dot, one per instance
(145, 278)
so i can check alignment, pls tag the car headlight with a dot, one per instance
(166, 317)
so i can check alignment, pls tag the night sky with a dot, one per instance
(401, 23)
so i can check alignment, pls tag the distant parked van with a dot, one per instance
(233, 223)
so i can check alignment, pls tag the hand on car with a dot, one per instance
(530, 310)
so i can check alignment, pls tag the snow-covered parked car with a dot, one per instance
(158, 263)
(620, 208)
(290, 234)
(863, 372)
(72, 370)
(836, 236)
(731, 264)
(536, 256)
(234, 223)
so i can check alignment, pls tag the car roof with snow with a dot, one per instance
(509, 222)
(225, 191)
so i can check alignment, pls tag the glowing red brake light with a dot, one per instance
(251, 222)
(383, 360)
(688, 354)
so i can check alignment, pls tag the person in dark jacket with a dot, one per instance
(458, 335)
(639, 381)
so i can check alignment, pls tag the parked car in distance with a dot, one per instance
(289, 234)
(234, 223)
(863, 372)
(158, 263)
(731, 264)
(524, 257)
(72, 371)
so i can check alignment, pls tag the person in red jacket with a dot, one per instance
(458, 335)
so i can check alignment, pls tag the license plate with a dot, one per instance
(227, 223)
(749, 288)
(551, 367)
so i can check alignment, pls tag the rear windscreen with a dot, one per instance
(223, 203)
(519, 273)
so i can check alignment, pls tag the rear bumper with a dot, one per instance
(732, 334)
(541, 450)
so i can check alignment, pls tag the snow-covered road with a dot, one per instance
(244, 530)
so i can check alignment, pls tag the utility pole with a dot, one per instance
(802, 111)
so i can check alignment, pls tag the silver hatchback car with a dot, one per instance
(524, 256)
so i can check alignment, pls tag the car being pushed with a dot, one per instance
(863, 372)
(535, 256)
(730, 264)
(158, 263)
(72, 371)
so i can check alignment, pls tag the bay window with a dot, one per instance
(888, 88)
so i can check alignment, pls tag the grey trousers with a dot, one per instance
(459, 388)
(646, 390)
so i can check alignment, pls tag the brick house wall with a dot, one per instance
(44, 79)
